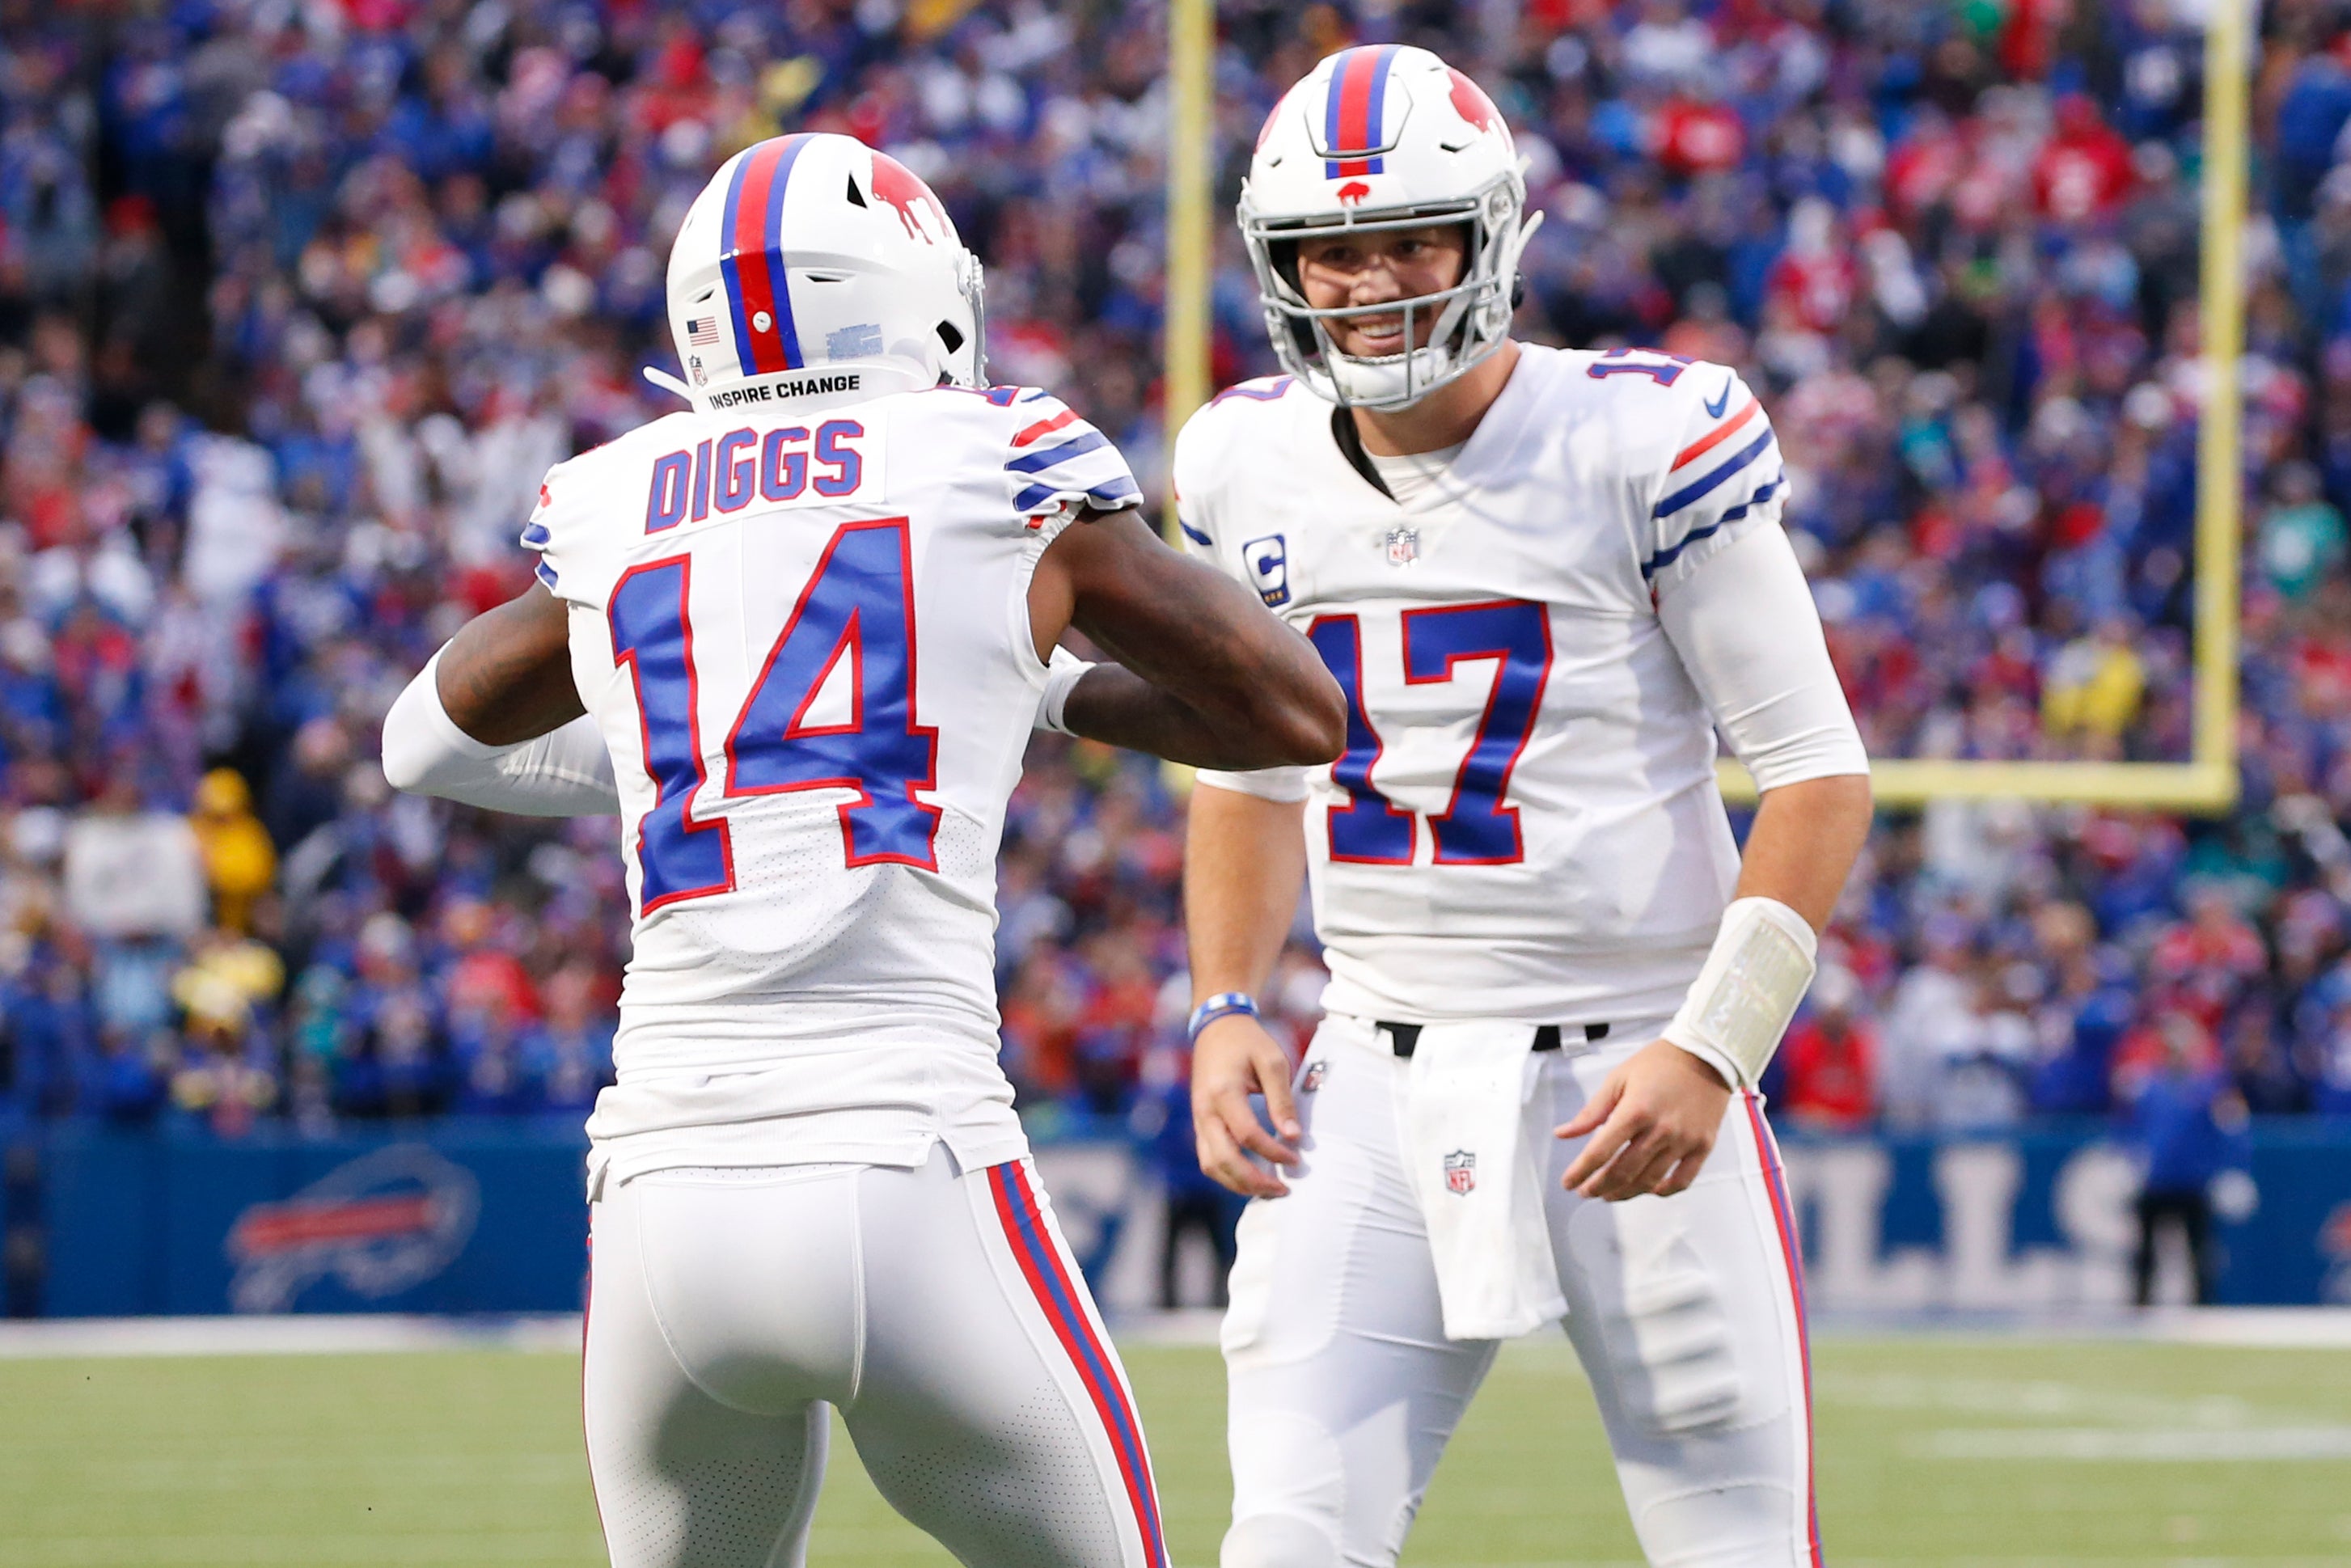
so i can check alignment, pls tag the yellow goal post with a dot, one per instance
(2207, 783)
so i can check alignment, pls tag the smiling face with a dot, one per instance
(1340, 271)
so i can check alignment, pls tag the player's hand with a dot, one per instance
(1653, 1123)
(1233, 1059)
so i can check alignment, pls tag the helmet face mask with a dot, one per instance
(1323, 166)
(967, 362)
(813, 270)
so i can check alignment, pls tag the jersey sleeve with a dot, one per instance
(1055, 460)
(1723, 479)
(1189, 481)
(539, 533)
(1192, 475)
(1745, 628)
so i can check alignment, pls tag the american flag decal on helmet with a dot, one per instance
(702, 330)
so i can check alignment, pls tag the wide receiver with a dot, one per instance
(1543, 579)
(808, 624)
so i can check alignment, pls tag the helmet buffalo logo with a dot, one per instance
(1353, 190)
(1470, 102)
(1272, 116)
(1460, 1173)
(895, 183)
(385, 1222)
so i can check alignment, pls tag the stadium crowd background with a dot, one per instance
(298, 301)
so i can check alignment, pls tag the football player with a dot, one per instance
(798, 637)
(1544, 579)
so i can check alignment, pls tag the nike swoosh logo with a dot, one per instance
(1714, 409)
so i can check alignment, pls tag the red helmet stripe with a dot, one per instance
(752, 262)
(1355, 107)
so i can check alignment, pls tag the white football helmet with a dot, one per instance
(809, 260)
(1386, 136)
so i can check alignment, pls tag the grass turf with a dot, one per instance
(1931, 1451)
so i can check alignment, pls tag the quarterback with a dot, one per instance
(1544, 579)
(798, 637)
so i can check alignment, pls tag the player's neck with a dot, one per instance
(1446, 417)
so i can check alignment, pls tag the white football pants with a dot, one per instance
(1684, 1311)
(939, 1311)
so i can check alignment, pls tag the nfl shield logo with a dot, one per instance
(1403, 546)
(1460, 1173)
(1316, 1071)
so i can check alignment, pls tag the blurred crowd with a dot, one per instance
(297, 302)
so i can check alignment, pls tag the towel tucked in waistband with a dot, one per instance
(1477, 1167)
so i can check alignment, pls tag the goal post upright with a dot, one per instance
(2220, 460)
(1191, 249)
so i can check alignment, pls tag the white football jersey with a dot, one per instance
(1525, 823)
(804, 633)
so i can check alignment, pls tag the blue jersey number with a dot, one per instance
(859, 606)
(1662, 369)
(1477, 826)
(652, 635)
(1368, 830)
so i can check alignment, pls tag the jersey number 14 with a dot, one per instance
(858, 605)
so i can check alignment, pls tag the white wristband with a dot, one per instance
(1740, 1003)
(1063, 674)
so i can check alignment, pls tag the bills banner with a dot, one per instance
(490, 1218)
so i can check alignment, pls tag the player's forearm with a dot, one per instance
(1116, 706)
(1252, 700)
(1244, 861)
(1201, 639)
(1805, 838)
(567, 772)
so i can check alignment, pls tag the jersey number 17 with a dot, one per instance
(1477, 826)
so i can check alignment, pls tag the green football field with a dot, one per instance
(1933, 1450)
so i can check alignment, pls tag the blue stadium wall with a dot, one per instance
(492, 1219)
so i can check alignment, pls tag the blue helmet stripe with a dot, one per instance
(785, 328)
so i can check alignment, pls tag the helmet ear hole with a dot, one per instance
(951, 336)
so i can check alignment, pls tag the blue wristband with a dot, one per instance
(1223, 1003)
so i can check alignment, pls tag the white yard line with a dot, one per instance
(2100, 1445)
(245, 1550)
(2310, 1328)
(1848, 1562)
(317, 1334)
(2251, 1328)
(2037, 1398)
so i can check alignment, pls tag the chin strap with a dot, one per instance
(670, 383)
